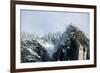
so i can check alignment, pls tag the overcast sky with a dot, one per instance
(43, 22)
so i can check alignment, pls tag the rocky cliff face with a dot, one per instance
(72, 45)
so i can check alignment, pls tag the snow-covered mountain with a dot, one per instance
(69, 45)
(30, 43)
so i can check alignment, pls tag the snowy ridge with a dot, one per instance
(48, 46)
